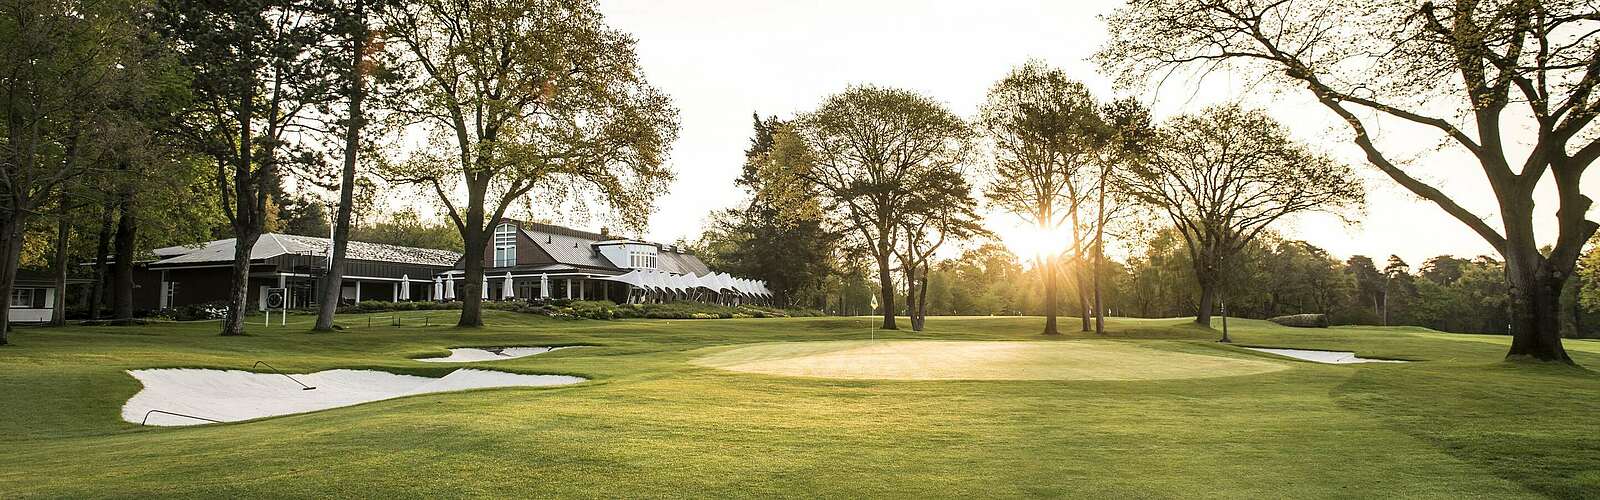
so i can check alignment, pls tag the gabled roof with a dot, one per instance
(681, 263)
(577, 248)
(571, 247)
(273, 244)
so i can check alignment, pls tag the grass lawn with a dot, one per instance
(659, 419)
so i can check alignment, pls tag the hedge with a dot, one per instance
(1302, 320)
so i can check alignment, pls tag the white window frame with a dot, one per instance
(505, 245)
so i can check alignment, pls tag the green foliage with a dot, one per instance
(406, 228)
(1225, 175)
(781, 235)
(868, 150)
(525, 96)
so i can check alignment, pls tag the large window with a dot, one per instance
(22, 297)
(505, 245)
(642, 259)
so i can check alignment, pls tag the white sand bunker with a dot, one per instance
(476, 354)
(1329, 357)
(234, 395)
(957, 360)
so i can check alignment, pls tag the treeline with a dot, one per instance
(1275, 276)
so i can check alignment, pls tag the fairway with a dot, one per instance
(1153, 408)
(943, 360)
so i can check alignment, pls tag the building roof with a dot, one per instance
(274, 244)
(577, 248)
(31, 278)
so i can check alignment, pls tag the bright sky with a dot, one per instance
(721, 60)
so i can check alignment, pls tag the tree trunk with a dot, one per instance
(1099, 254)
(356, 91)
(58, 313)
(1083, 299)
(1099, 306)
(922, 301)
(97, 293)
(239, 293)
(1207, 279)
(122, 263)
(10, 252)
(475, 236)
(1047, 266)
(1208, 297)
(1077, 271)
(1535, 296)
(886, 288)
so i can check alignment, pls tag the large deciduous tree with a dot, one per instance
(59, 65)
(1223, 176)
(258, 69)
(867, 147)
(940, 210)
(1476, 74)
(518, 95)
(1045, 129)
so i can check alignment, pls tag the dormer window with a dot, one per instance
(642, 259)
(505, 245)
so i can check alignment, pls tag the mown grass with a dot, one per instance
(1460, 423)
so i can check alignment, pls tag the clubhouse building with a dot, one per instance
(522, 261)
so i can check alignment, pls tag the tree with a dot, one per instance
(1505, 66)
(519, 95)
(1398, 289)
(1045, 131)
(866, 146)
(1225, 175)
(59, 65)
(1369, 283)
(257, 70)
(1124, 140)
(940, 209)
(1443, 270)
(406, 228)
(355, 34)
(781, 235)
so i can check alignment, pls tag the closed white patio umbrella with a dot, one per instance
(450, 287)
(405, 287)
(506, 292)
(438, 289)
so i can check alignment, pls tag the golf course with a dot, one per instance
(813, 407)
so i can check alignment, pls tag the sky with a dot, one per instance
(722, 60)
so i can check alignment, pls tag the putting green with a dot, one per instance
(961, 360)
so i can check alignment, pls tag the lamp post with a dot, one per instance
(1225, 338)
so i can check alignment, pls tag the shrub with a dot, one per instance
(1302, 320)
(193, 312)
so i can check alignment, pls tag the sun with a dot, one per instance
(1031, 243)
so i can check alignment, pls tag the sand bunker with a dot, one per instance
(234, 395)
(954, 360)
(476, 354)
(1330, 357)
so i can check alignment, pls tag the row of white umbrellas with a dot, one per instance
(444, 287)
(717, 282)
